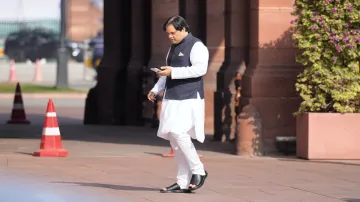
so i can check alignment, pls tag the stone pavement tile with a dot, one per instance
(140, 190)
(334, 191)
(127, 171)
(246, 194)
(126, 197)
(36, 186)
(293, 194)
(330, 187)
(3, 161)
(122, 192)
(114, 175)
(269, 193)
(296, 197)
(350, 199)
(349, 177)
(126, 183)
(211, 196)
(162, 197)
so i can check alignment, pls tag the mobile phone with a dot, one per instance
(155, 69)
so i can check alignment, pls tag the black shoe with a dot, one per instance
(198, 181)
(175, 188)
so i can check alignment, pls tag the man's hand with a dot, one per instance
(166, 71)
(151, 96)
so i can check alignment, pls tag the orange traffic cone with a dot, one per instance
(37, 75)
(51, 144)
(12, 73)
(18, 115)
(171, 154)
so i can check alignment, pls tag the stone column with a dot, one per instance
(194, 13)
(123, 57)
(139, 48)
(102, 95)
(215, 42)
(236, 58)
(161, 10)
(269, 81)
(109, 93)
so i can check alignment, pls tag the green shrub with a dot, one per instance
(327, 35)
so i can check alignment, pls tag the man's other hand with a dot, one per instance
(166, 71)
(151, 96)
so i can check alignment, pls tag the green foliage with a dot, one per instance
(327, 34)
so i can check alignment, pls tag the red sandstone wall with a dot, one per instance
(83, 20)
(269, 82)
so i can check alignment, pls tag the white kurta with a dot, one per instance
(184, 116)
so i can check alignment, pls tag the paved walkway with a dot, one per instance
(123, 164)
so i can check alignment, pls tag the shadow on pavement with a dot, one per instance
(351, 200)
(25, 153)
(72, 128)
(294, 159)
(111, 186)
(152, 153)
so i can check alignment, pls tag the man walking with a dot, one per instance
(183, 107)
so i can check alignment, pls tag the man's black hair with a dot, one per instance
(178, 22)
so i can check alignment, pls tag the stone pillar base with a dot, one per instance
(249, 133)
(277, 116)
(271, 90)
(91, 110)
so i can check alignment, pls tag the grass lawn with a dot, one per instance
(9, 136)
(33, 88)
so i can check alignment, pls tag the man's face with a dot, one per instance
(175, 36)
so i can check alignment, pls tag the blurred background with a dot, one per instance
(30, 35)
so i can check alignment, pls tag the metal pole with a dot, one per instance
(62, 59)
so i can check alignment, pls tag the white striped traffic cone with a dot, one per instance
(51, 144)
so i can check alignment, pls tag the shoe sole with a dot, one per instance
(175, 191)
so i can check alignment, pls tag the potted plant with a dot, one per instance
(327, 35)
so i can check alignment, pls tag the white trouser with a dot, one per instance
(186, 157)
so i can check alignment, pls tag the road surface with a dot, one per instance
(79, 77)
